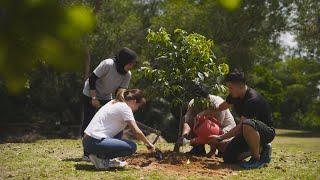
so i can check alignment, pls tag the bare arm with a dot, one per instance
(223, 106)
(139, 134)
(233, 132)
(186, 129)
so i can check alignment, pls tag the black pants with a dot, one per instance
(88, 112)
(238, 144)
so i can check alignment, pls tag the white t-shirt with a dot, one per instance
(109, 80)
(224, 117)
(109, 120)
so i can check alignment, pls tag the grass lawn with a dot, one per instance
(296, 155)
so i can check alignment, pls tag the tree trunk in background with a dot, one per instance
(88, 60)
(177, 145)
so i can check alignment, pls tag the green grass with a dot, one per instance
(296, 155)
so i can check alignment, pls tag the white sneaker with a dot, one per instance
(117, 163)
(98, 162)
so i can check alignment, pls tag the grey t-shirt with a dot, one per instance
(109, 80)
(224, 117)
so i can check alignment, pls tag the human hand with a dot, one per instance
(95, 103)
(151, 148)
(185, 141)
(215, 139)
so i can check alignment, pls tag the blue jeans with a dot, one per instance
(108, 148)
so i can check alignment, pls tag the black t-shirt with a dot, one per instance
(252, 106)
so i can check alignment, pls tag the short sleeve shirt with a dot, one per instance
(109, 80)
(252, 106)
(110, 120)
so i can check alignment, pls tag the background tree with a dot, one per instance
(246, 36)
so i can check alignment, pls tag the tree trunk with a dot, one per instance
(177, 145)
(88, 60)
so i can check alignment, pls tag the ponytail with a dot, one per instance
(120, 95)
(130, 94)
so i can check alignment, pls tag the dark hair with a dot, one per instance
(200, 90)
(130, 94)
(235, 76)
(124, 57)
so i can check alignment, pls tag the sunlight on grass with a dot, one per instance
(293, 158)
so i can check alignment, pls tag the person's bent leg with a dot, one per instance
(252, 138)
(267, 134)
(88, 113)
(234, 149)
(111, 148)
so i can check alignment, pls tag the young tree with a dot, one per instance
(178, 61)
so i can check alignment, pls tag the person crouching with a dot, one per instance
(101, 139)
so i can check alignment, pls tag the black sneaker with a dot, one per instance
(266, 153)
(197, 150)
(85, 158)
(253, 164)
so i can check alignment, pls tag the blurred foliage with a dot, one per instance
(34, 31)
(39, 38)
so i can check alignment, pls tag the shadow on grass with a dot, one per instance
(73, 160)
(90, 167)
(217, 166)
(300, 134)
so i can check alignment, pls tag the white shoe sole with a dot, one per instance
(97, 162)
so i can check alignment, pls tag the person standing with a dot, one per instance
(109, 76)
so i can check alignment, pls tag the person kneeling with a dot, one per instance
(102, 139)
(204, 128)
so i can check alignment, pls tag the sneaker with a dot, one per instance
(85, 158)
(197, 150)
(253, 164)
(266, 153)
(98, 162)
(116, 163)
(247, 163)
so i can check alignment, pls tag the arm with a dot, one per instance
(209, 112)
(188, 118)
(93, 94)
(233, 132)
(139, 134)
(228, 121)
(186, 129)
(101, 70)
(223, 106)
